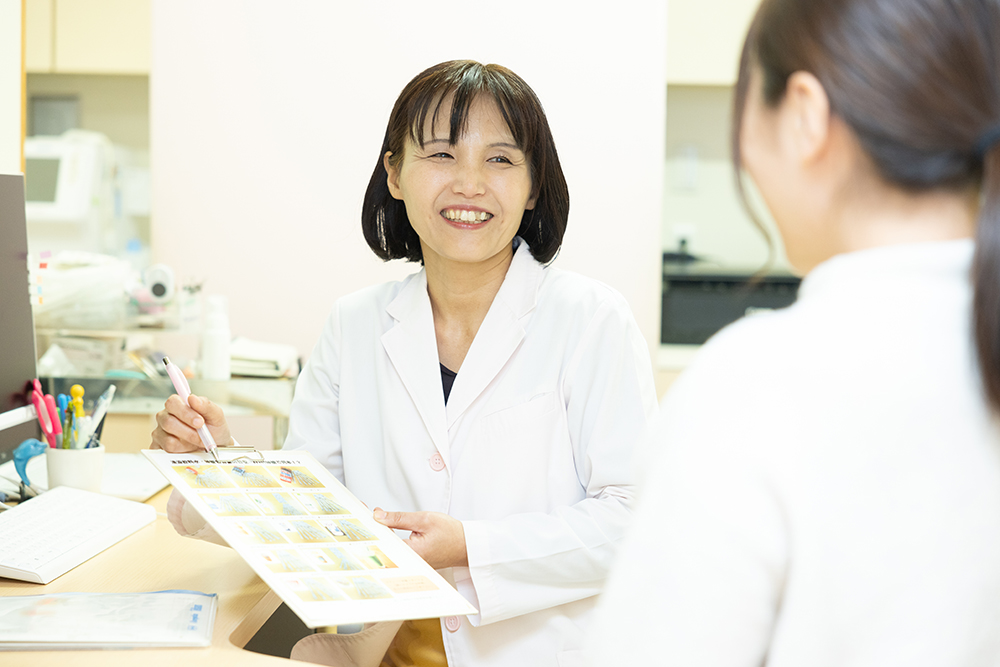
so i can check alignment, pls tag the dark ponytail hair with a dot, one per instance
(986, 271)
(918, 82)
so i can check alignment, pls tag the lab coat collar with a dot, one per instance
(412, 349)
(500, 334)
(412, 346)
(884, 267)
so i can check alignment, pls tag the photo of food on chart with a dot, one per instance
(311, 540)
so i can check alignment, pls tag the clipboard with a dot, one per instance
(309, 538)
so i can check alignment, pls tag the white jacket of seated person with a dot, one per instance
(826, 485)
(536, 441)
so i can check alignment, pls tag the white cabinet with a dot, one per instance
(11, 91)
(704, 38)
(38, 35)
(88, 36)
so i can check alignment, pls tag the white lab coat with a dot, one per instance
(535, 442)
(824, 490)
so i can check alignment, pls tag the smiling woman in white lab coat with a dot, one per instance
(489, 402)
(826, 484)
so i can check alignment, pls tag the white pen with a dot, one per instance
(99, 411)
(184, 390)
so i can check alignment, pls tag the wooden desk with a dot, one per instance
(157, 558)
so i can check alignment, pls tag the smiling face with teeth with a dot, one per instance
(464, 200)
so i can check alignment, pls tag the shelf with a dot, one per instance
(104, 333)
(238, 397)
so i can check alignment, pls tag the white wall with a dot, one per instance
(11, 102)
(700, 198)
(267, 118)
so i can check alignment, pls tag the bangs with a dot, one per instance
(463, 86)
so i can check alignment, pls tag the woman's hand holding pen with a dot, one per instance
(178, 423)
(437, 538)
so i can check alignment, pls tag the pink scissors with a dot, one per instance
(48, 414)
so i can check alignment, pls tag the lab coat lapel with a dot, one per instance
(499, 335)
(412, 349)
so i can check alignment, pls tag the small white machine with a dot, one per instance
(69, 190)
(84, 193)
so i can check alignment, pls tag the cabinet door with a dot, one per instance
(11, 118)
(704, 38)
(102, 36)
(38, 35)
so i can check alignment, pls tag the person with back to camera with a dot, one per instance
(824, 487)
(487, 402)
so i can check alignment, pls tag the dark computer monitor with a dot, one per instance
(17, 330)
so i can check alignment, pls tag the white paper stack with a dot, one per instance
(256, 359)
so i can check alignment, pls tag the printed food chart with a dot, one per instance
(309, 538)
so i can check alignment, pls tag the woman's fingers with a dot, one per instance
(183, 412)
(173, 435)
(412, 521)
(212, 415)
(437, 538)
(206, 409)
(179, 421)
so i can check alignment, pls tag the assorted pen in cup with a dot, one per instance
(64, 423)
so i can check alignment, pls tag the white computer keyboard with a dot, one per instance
(47, 536)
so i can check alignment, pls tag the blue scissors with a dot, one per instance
(48, 414)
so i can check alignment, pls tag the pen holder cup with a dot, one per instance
(79, 468)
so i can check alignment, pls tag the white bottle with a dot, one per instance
(190, 308)
(215, 360)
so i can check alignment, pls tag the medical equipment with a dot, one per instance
(70, 192)
(86, 194)
(63, 174)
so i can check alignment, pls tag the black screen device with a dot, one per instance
(17, 329)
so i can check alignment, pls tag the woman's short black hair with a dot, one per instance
(383, 218)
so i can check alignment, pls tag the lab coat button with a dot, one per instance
(453, 623)
(437, 463)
